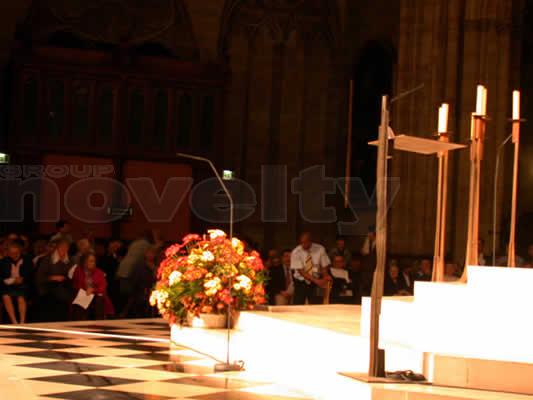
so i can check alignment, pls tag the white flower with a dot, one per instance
(207, 256)
(175, 277)
(244, 282)
(216, 233)
(212, 287)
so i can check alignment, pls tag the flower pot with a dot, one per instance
(213, 321)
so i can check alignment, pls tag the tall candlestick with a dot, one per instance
(443, 118)
(516, 105)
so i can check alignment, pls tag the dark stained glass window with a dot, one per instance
(105, 114)
(80, 111)
(161, 118)
(56, 107)
(136, 116)
(208, 117)
(30, 105)
(184, 120)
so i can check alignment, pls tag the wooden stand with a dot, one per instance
(377, 365)
(441, 148)
(478, 126)
(411, 144)
(440, 226)
(511, 255)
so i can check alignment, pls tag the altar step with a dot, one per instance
(428, 392)
(473, 335)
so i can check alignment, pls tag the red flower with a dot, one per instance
(259, 290)
(225, 296)
(173, 250)
(190, 238)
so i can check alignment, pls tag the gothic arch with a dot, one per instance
(113, 23)
(282, 16)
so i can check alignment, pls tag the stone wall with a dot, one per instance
(286, 102)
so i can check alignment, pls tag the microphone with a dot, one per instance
(227, 366)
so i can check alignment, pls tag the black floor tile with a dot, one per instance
(56, 355)
(39, 337)
(163, 356)
(97, 327)
(98, 394)
(209, 381)
(155, 323)
(140, 347)
(43, 345)
(116, 339)
(86, 380)
(182, 368)
(69, 366)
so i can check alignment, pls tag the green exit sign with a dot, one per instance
(228, 175)
(4, 158)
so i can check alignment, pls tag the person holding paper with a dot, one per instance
(90, 284)
(310, 264)
(15, 276)
(341, 292)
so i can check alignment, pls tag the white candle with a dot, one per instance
(443, 118)
(481, 100)
(484, 100)
(516, 105)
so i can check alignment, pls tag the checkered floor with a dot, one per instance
(125, 359)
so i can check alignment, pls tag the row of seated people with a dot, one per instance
(57, 286)
(347, 281)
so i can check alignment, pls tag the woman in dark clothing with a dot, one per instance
(395, 284)
(53, 283)
(15, 278)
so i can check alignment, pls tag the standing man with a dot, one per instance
(62, 232)
(310, 264)
(129, 267)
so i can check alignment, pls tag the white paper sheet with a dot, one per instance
(340, 274)
(83, 299)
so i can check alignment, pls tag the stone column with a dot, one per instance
(450, 46)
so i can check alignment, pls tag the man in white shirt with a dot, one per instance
(310, 264)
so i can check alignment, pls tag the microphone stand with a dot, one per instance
(227, 366)
(495, 196)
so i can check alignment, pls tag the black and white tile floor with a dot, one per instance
(116, 360)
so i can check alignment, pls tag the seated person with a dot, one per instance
(395, 284)
(53, 283)
(83, 247)
(341, 290)
(450, 272)
(92, 280)
(424, 272)
(354, 269)
(528, 260)
(279, 281)
(15, 278)
(341, 250)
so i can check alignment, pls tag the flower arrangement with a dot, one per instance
(196, 275)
